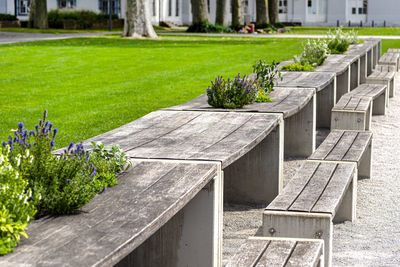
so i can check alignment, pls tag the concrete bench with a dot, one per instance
(364, 51)
(342, 70)
(162, 213)
(391, 59)
(319, 194)
(297, 105)
(265, 251)
(325, 85)
(347, 146)
(384, 74)
(378, 93)
(249, 147)
(352, 113)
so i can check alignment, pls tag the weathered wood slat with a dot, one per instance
(317, 80)
(313, 190)
(353, 103)
(334, 63)
(287, 101)
(305, 254)
(277, 253)
(335, 190)
(342, 147)
(289, 194)
(148, 195)
(394, 50)
(249, 253)
(369, 90)
(389, 58)
(328, 144)
(358, 147)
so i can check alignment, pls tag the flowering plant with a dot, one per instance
(265, 79)
(314, 53)
(339, 41)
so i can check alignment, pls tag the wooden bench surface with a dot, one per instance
(287, 101)
(277, 252)
(382, 75)
(369, 90)
(190, 135)
(115, 222)
(317, 80)
(334, 63)
(385, 68)
(352, 103)
(393, 50)
(359, 49)
(318, 187)
(342, 145)
(389, 58)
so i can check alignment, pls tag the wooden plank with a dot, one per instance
(352, 103)
(314, 188)
(249, 253)
(334, 192)
(327, 145)
(334, 63)
(306, 253)
(148, 195)
(389, 58)
(317, 80)
(277, 253)
(342, 146)
(369, 90)
(291, 191)
(393, 50)
(358, 148)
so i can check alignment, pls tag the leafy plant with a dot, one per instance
(16, 209)
(57, 15)
(7, 17)
(113, 154)
(266, 74)
(206, 27)
(314, 53)
(339, 41)
(231, 93)
(298, 67)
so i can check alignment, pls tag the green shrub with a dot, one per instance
(58, 15)
(231, 93)
(265, 79)
(339, 41)
(16, 209)
(298, 67)
(206, 27)
(7, 17)
(314, 53)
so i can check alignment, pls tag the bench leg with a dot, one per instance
(345, 120)
(363, 69)
(193, 235)
(302, 225)
(379, 104)
(364, 169)
(343, 84)
(369, 62)
(392, 88)
(256, 178)
(300, 131)
(326, 99)
(347, 209)
(384, 82)
(355, 74)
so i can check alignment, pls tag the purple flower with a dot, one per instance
(104, 190)
(21, 125)
(52, 143)
(71, 145)
(68, 181)
(4, 143)
(55, 131)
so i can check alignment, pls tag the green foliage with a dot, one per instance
(7, 17)
(298, 67)
(16, 209)
(266, 75)
(314, 53)
(262, 97)
(116, 157)
(58, 15)
(339, 41)
(231, 93)
(206, 27)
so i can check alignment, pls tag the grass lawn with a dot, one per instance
(92, 85)
(361, 31)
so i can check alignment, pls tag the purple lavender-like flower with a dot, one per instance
(50, 126)
(4, 143)
(71, 145)
(103, 191)
(52, 143)
(55, 131)
(68, 181)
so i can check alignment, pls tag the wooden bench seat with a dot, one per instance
(384, 74)
(319, 194)
(391, 59)
(376, 48)
(352, 113)
(249, 146)
(365, 52)
(347, 146)
(377, 92)
(325, 85)
(297, 105)
(267, 251)
(160, 213)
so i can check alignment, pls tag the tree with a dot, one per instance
(138, 20)
(199, 11)
(38, 14)
(261, 12)
(221, 13)
(236, 14)
(273, 11)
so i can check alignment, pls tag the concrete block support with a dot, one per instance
(355, 74)
(365, 166)
(379, 104)
(256, 177)
(351, 120)
(194, 234)
(343, 83)
(300, 131)
(326, 99)
(363, 68)
(370, 62)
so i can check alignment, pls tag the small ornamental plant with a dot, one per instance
(314, 53)
(298, 67)
(266, 75)
(339, 41)
(231, 93)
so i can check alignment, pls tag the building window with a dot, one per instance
(23, 7)
(169, 8)
(66, 3)
(177, 8)
(353, 10)
(309, 3)
(208, 6)
(153, 4)
(365, 6)
(115, 7)
(282, 6)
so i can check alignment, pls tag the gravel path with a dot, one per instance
(374, 239)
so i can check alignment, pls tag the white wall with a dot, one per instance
(381, 10)
(336, 11)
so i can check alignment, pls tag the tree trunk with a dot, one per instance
(199, 11)
(138, 20)
(38, 14)
(222, 12)
(273, 11)
(261, 12)
(236, 14)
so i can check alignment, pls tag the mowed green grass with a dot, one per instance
(360, 30)
(92, 85)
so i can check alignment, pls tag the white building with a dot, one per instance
(306, 12)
